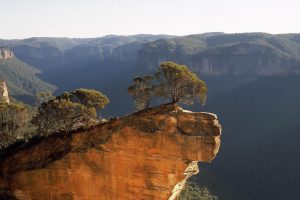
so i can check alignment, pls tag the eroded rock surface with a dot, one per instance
(5, 54)
(142, 156)
(3, 92)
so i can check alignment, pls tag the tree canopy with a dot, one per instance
(62, 115)
(42, 97)
(87, 97)
(14, 121)
(179, 84)
(69, 111)
(142, 91)
(174, 82)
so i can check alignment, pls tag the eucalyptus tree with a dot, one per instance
(178, 84)
(142, 91)
(14, 123)
(69, 111)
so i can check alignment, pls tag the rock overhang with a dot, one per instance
(148, 151)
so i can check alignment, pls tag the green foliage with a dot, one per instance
(217, 186)
(142, 91)
(63, 115)
(193, 191)
(42, 97)
(178, 84)
(87, 97)
(69, 111)
(174, 82)
(21, 78)
(14, 123)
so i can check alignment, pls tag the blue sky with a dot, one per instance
(94, 18)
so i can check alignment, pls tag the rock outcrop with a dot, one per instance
(5, 54)
(144, 156)
(3, 92)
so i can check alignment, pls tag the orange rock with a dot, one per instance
(144, 156)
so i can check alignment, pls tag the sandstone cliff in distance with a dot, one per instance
(228, 54)
(3, 92)
(6, 54)
(143, 156)
(208, 53)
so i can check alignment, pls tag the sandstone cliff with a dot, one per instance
(5, 54)
(227, 54)
(4, 92)
(146, 155)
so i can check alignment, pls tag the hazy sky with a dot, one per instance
(93, 18)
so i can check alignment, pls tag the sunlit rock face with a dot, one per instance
(3, 92)
(5, 54)
(141, 156)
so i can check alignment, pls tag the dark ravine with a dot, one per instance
(145, 155)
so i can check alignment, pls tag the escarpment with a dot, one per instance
(143, 156)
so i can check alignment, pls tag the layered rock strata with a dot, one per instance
(143, 156)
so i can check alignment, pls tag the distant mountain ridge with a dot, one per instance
(208, 53)
(92, 62)
(228, 54)
(48, 53)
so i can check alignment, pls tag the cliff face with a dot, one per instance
(211, 53)
(227, 54)
(146, 155)
(5, 54)
(232, 60)
(3, 92)
(48, 53)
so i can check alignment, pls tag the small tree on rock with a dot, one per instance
(62, 115)
(88, 97)
(142, 91)
(14, 121)
(69, 111)
(178, 84)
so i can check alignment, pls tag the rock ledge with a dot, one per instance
(146, 155)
